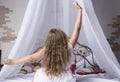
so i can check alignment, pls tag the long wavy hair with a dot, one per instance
(57, 53)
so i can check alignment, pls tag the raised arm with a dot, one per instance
(77, 27)
(25, 59)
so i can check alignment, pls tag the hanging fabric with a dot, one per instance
(42, 15)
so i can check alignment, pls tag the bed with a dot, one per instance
(80, 78)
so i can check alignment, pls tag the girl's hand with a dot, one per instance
(8, 61)
(77, 5)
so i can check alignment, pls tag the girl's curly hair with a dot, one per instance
(57, 53)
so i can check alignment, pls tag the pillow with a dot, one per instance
(30, 67)
(87, 70)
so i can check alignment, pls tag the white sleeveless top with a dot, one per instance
(41, 76)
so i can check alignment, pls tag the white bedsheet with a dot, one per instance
(96, 80)
(82, 78)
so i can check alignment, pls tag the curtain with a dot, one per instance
(42, 15)
(97, 40)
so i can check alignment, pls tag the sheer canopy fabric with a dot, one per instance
(42, 15)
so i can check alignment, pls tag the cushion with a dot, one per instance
(88, 70)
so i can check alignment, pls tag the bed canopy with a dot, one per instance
(42, 15)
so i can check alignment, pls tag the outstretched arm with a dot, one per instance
(25, 59)
(77, 27)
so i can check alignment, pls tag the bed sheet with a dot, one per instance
(80, 78)
(95, 78)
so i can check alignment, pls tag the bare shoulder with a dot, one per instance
(40, 53)
(41, 50)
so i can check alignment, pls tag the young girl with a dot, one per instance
(56, 55)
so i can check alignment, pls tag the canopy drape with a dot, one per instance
(42, 15)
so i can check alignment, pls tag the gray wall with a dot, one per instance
(16, 16)
(105, 11)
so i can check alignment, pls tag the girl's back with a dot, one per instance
(66, 76)
(42, 77)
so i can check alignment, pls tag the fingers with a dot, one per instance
(77, 5)
(7, 61)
